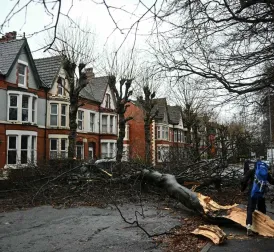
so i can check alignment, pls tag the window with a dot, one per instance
(107, 100)
(104, 123)
(13, 107)
(111, 124)
(61, 86)
(79, 150)
(21, 147)
(58, 115)
(24, 149)
(104, 150)
(54, 114)
(91, 150)
(175, 136)
(53, 153)
(162, 132)
(108, 149)
(92, 122)
(63, 148)
(22, 73)
(158, 132)
(33, 109)
(12, 159)
(58, 146)
(22, 106)
(166, 133)
(63, 115)
(80, 120)
(25, 108)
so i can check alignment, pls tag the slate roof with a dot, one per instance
(161, 105)
(8, 53)
(174, 113)
(96, 89)
(48, 69)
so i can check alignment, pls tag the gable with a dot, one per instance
(54, 87)
(109, 99)
(24, 58)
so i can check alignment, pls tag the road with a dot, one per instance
(45, 229)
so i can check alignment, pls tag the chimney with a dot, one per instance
(89, 73)
(8, 36)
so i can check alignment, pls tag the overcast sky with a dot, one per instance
(34, 18)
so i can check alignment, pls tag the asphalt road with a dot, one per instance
(45, 229)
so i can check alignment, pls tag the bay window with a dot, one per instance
(22, 106)
(21, 146)
(58, 146)
(108, 124)
(162, 132)
(108, 149)
(58, 114)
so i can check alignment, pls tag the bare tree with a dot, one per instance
(76, 49)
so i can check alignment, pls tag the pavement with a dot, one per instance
(239, 241)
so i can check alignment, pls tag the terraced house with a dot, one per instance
(34, 115)
(167, 132)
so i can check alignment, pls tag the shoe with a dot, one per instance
(249, 230)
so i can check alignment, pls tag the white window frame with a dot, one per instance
(108, 98)
(59, 151)
(24, 85)
(105, 125)
(111, 148)
(63, 115)
(56, 115)
(18, 134)
(82, 150)
(82, 112)
(92, 122)
(20, 95)
(61, 86)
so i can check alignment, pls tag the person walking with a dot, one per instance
(256, 179)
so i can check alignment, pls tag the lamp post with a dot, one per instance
(270, 130)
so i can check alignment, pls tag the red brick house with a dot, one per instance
(34, 101)
(167, 131)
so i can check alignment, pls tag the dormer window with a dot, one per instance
(22, 73)
(107, 100)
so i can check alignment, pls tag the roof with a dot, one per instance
(174, 113)
(96, 89)
(48, 69)
(9, 51)
(160, 105)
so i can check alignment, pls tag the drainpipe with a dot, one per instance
(45, 131)
(99, 147)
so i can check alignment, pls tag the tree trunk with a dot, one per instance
(147, 142)
(122, 127)
(73, 127)
(205, 206)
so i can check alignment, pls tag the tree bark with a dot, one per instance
(205, 206)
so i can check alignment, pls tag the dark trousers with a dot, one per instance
(251, 206)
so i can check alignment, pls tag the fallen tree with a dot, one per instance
(204, 205)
